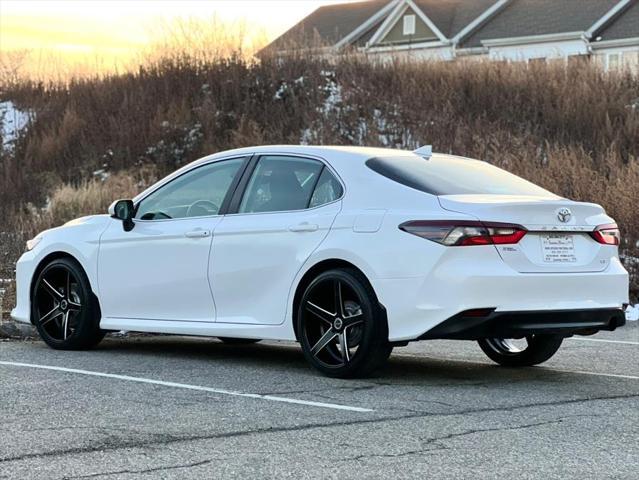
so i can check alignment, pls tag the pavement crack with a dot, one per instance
(435, 441)
(116, 443)
(146, 470)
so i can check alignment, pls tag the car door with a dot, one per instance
(282, 211)
(159, 269)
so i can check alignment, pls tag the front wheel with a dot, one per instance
(525, 352)
(64, 310)
(341, 326)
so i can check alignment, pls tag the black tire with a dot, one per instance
(239, 341)
(64, 309)
(359, 323)
(539, 349)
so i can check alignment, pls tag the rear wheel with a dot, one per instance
(341, 326)
(64, 310)
(525, 352)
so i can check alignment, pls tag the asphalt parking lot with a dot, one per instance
(177, 407)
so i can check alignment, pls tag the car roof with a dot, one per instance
(330, 152)
(346, 160)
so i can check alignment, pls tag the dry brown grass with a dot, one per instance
(573, 130)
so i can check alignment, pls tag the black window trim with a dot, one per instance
(310, 198)
(248, 172)
(227, 198)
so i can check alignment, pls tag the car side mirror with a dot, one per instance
(123, 210)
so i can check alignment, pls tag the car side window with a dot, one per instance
(328, 189)
(281, 183)
(197, 193)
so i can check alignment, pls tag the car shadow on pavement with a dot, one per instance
(287, 357)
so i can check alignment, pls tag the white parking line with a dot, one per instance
(596, 374)
(185, 386)
(623, 342)
(478, 362)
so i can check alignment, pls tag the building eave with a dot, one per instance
(408, 46)
(533, 39)
(618, 42)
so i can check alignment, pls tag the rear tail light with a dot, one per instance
(607, 234)
(463, 233)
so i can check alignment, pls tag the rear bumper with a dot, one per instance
(521, 324)
(477, 278)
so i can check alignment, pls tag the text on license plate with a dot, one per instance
(558, 248)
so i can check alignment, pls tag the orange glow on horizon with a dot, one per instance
(105, 35)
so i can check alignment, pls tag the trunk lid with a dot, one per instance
(558, 238)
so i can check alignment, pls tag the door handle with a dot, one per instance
(198, 233)
(303, 227)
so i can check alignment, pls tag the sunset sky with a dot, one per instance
(114, 30)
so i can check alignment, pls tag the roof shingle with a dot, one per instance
(451, 16)
(521, 18)
(626, 25)
(331, 23)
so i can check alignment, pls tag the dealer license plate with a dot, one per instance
(558, 248)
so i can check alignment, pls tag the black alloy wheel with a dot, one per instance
(524, 352)
(64, 310)
(341, 326)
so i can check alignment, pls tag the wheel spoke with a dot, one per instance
(65, 325)
(344, 347)
(353, 320)
(74, 306)
(323, 341)
(67, 292)
(320, 312)
(339, 302)
(51, 290)
(56, 312)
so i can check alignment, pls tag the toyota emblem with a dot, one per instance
(564, 215)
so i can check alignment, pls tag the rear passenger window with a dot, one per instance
(280, 184)
(328, 189)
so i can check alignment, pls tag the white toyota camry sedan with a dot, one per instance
(348, 251)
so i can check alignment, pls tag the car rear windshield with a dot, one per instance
(450, 175)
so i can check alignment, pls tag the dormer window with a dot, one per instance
(409, 24)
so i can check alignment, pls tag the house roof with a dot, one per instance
(520, 18)
(625, 25)
(356, 23)
(330, 23)
(451, 16)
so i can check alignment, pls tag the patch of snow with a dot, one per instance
(333, 97)
(185, 140)
(634, 104)
(307, 137)
(47, 205)
(12, 122)
(102, 174)
(281, 92)
(632, 313)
